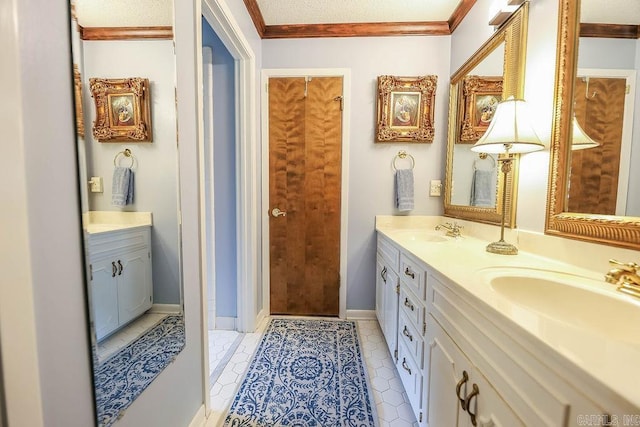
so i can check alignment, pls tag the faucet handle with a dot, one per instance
(631, 267)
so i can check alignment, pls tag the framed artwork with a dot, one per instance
(122, 109)
(405, 109)
(77, 80)
(480, 97)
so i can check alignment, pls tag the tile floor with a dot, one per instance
(126, 335)
(390, 399)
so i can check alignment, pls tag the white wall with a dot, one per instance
(155, 174)
(45, 350)
(371, 178)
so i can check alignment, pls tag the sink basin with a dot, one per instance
(420, 236)
(573, 300)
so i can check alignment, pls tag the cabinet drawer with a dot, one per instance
(411, 338)
(104, 244)
(389, 252)
(411, 378)
(413, 309)
(413, 275)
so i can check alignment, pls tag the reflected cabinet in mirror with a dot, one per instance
(124, 74)
(594, 190)
(473, 184)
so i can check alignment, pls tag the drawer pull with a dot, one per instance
(405, 366)
(473, 393)
(406, 333)
(464, 379)
(383, 274)
(408, 272)
(408, 304)
(120, 265)
(114, 269)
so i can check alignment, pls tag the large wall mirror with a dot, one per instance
(124, 75)
(594, 191)
(473, 185)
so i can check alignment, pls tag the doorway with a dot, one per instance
(305, 180)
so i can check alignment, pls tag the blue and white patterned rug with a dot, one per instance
(122, 377)
(305, 373)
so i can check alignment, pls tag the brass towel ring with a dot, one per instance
(484, 156)
(125, 153)
(403, 155)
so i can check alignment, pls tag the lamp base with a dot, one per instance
(503, 248)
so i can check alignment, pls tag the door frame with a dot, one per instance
(223, 23)
(345, 73)
(627, 127)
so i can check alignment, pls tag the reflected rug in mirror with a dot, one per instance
(305, 373)
(123, 376)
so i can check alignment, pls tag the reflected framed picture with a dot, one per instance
(480, 98)
(122, 109)
(405, 109)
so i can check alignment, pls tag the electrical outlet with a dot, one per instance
(435, 187)
(95, 184)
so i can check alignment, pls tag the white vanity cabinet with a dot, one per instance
(400, 308)
(120, 277)
(514, 384)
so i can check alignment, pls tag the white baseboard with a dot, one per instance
(165, 308)
(226, 323)
(361, 314)
(199, 419)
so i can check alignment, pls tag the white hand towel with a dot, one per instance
(404, 189)
(122, 186)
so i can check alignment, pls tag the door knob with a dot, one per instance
(277, 212)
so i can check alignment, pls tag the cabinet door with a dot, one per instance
(381, 273)
(443, 371)
(134, 284)
(489, 408)
(104, 297)
(390, 327)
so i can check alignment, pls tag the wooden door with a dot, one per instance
(599, 109)
(305, 156)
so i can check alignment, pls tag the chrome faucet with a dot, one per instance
(453, 230)
(626, 276)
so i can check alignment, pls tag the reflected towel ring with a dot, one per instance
(125, 153)
(484, 156)
(403, 155)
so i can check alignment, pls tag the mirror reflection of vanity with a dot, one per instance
(473, 185)
(593, 192)
(132, 251)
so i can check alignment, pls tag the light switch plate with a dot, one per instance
(435, 188)
(95, 184)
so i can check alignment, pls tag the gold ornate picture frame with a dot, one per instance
(77, 80)
(480, 97)
(405, 109)
(122, 109)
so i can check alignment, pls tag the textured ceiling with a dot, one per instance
(124, 13)
(127, 13)
(279, 12)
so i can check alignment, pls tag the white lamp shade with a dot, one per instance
(510, 130)
(580, 140)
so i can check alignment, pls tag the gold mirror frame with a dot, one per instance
(606, 229)
(514, 35)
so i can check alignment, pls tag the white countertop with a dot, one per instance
(600, 350)
(96, 222)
